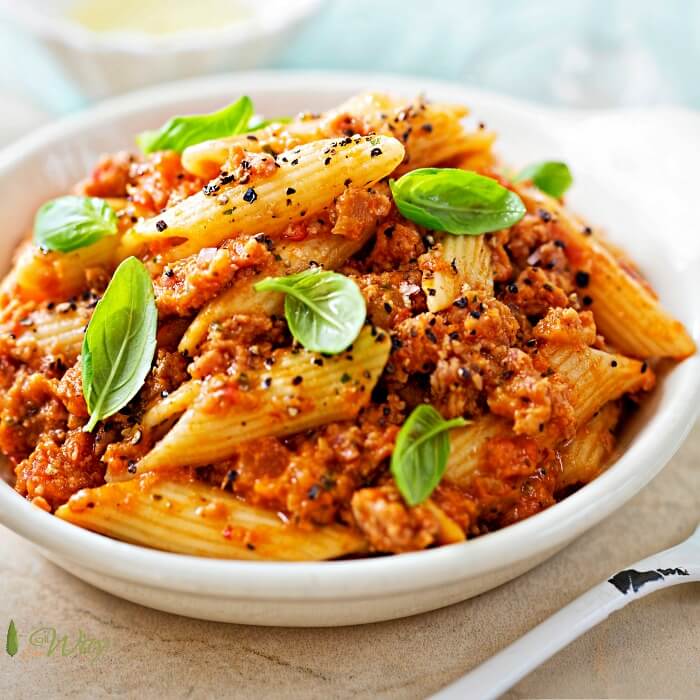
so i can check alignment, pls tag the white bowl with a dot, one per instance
(610, 156)
(105, 64)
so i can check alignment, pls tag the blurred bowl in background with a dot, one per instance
(106, 52)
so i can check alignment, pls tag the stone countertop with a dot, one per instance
(649, 649)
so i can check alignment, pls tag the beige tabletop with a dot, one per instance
(648, 650)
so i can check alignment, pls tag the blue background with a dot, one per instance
(575, 53)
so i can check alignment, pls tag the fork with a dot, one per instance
(503, 670)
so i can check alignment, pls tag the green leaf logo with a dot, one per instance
(12, 645)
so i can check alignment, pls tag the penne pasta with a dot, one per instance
(431, 133)
(172, 406)
(626, 312)
(596, 377)
(450, 532)
(448, 139)
(331, 389)
(50, 332)
(329, 251)
(307, 180)
(45, 275)
(458, 262)
(192, 518)
(60, 334)
(586, 456)
(467, 446)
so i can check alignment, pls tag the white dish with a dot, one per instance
(611, 189)
(105, 64)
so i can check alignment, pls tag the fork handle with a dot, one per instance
(503, 670)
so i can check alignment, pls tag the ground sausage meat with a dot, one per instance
(359, 211)
(110, 176)
(56, 469)
(389, 524)
(186, 285)
(29, 409)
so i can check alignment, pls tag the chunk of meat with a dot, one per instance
(359, 211)
(530, 399)
(168, 373)
(110, 176)
(536, 291)
(398, 245)
(532, 231)
(312, 478)
(29, 409)
(515, 479)
(56, 469)
(456, 389)
(240, 343)
(391, 297)
(389, 524)
(567, 327)
(473, 328)
(160, 181)
(70, 391)
(188, 284)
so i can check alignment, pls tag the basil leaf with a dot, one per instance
(421, 452)
(180, 132)
(254, 125)
(120, 341)
(68, 223)
(456, 201)
(551, 177)
(324, 310)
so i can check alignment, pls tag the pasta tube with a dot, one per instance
(303, 390)
(625, 311)
(596, 377)
(307, 180)
(50, 332)
(42, 275)
(458, 261)
(192, 518)
(45, 275)
(467, 446)
(172, 406)
(584, 457)
(431, 133)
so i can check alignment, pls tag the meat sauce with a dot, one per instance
(476, 357)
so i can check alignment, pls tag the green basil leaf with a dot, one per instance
(68, 223)
(324, 310)
(180, 132)
(421, 452)
(551, 177)
(254, 125)
(456, 201)
(120, 341)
